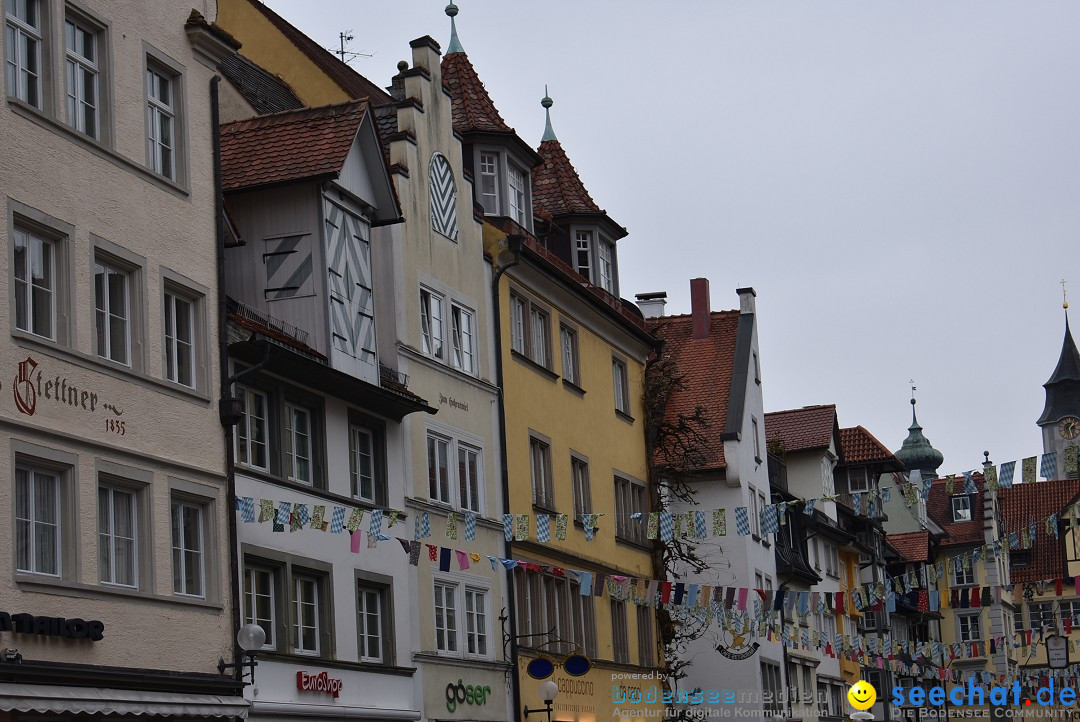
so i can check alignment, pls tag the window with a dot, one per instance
(629, 499)
(306, 627)
(161, 122)
(35, 284)
(583, 253)
(259, 601)
(538, 340)
(969, 627)
(755, 522)
(37, 521)
(252, 432)
(858, 479)
(619, 642)
(870, 619)
(112, 318)
(518, 312)
(489, 183)
(757, 369)
(832, 561)
(622, 386)
(1018, 619)
(371, 625)
(117, 546)
(961, 508)
(82, 72)
(462, 328)
(431, 323)
(757, 441)
(529, 332)
(963, 577)
(476, 626)
(446, 631)
(646, 647)
(516, 184)
(22, 50)
(1041, 615)
(1070, 610)
(772, 688)
(189, 574)
(579, 475)
(569, 343)
(607, 267)
(438, 453)
(547, 603)
(179, 339)
(759, 580)
(469, 469)
(542, 485)
(362, 463)
(298, 444)
(836, 700)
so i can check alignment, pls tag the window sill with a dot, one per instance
(573, 388)
(542, 370)
(110, 368)
(644, 546)
(438, 508)
(436, 658)
(625, 417)
(544, 509)
(96, 147)
(307, 659)
(63, 587)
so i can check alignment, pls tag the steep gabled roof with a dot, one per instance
(289, 146)
(264, 91)
(913, 547)
(706, 367)
(1023, 504)
(350, 81)
(939, 508)
(556, 186)
(1063, 387)
(472, 107)
(805, 429)
(859, 446)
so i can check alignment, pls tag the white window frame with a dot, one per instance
(462, 491)
(862, 474)
(299, 604)
(459, 635)
(621, 383)
(292, 437)
(363, 611)
(18, 33)
(33, 247)
(540, 336)
(173, 342)
(251, 598)
(963, 577)
(356, 456)
(583, 253)
(488, 172)
(35, 523)
(463, 334)
(620, 633)
(631, 496)
(579, 477)
(470, 482)
(447, 624)
(959, 509)
(440, 488)
(519, 311)
(104, 270)
(605, 253)
(964, 631)
(477, 622)
(568, 344)
(77, 68)
(245, 439)
(108, 537)
(179, 548)
(646, 645)
(517, 194)
(159, 110)
(543, 496)
(433, 338)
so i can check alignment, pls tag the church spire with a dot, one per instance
(1063, 387)
(917, 451)
(455, 44)
(547, 102)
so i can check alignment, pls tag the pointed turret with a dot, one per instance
(557, 187)
(917, 452)
(455, 44)
(1063, 387)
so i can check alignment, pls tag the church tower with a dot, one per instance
(1060, 420)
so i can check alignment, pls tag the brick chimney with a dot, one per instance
(699, 307)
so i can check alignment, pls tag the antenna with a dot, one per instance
(347, 55)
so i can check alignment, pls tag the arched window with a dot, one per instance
(443, 197)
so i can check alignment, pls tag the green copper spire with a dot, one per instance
(917, 452)
(547, 102)
(455, 44)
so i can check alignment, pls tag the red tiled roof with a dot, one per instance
(556, 187)
(913, 546)
(939, 508)
(350, 81)
(705, 367)
(287, 146)
(1022, 504)
(810, 427)
(472, 107)
(859, 446)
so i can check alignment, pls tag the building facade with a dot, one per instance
(114, 467)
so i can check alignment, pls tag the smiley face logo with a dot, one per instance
(862, 695)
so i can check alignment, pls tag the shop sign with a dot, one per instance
(462, 693)
(52, 626)
(321, 682)
(31, 386)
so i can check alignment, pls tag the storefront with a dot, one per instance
(465, 692)
(598, 695)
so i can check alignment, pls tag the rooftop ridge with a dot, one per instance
(298, 112)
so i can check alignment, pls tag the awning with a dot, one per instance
(54, 699)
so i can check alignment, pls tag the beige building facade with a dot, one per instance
(112, 465)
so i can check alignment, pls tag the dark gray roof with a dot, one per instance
(386, 123)
(1063, 388)
(266, 92)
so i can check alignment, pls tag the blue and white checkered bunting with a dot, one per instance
(768, 519)
(508, 526)
(742, 521)
(700, 529)
(284, 511)
(337, 521)
(1008, 470)
(543, 528)
(470, 526)
(1048, 468)
(246, 504)
(667, 526)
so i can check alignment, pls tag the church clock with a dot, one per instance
(1069, 427)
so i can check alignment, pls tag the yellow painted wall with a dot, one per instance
(845, 624)
(590, 698)
(266, 46)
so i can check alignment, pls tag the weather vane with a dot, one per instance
(912, 382)
(1064, 295)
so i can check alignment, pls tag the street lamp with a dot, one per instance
(251, 638)
(548, 692)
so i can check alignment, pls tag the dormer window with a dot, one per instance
(583, 253)
(503, 186)
(858, 479)
(595, 259)
(607, 267)
(961, 508)
(516, 181)
(489, 183)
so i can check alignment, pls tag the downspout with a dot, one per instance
(513, 243)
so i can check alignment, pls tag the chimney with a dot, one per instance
(652, 304)
(746, 300)
(699, 307)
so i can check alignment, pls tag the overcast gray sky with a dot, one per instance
(900, 182)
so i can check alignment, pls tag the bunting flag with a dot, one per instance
(543, 528)
(1007, 471)
(284, 512)
(318, 518)
(990, 474)
(949, 481)
(423, 525)
(808, 507)
(247, 509)
(354, 541)
(1028, 470)
(508, 526)
(462, 560)
(1071, 453)
(742, 522)
(451, 525)
(969, 483)
(521, 527)
(719, 522)
(393, 516)
(266, 510)
(654, 525)
(337, 522)
(375, 523)
(414, 552)
(1048, 467)
(667, 526)
(470, 526)
(856, 501)
(769, 519)
(355, 520)
(700, 529)
(589, 520)
(560, 526)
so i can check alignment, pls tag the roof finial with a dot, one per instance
(912, 382)
(547, 102)
(455, 44)
(1064, 296)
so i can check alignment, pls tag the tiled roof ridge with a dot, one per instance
(337, 70)
(557, 183)
(472, 106)
(300, 114)
(801, 408)
(870, 437)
